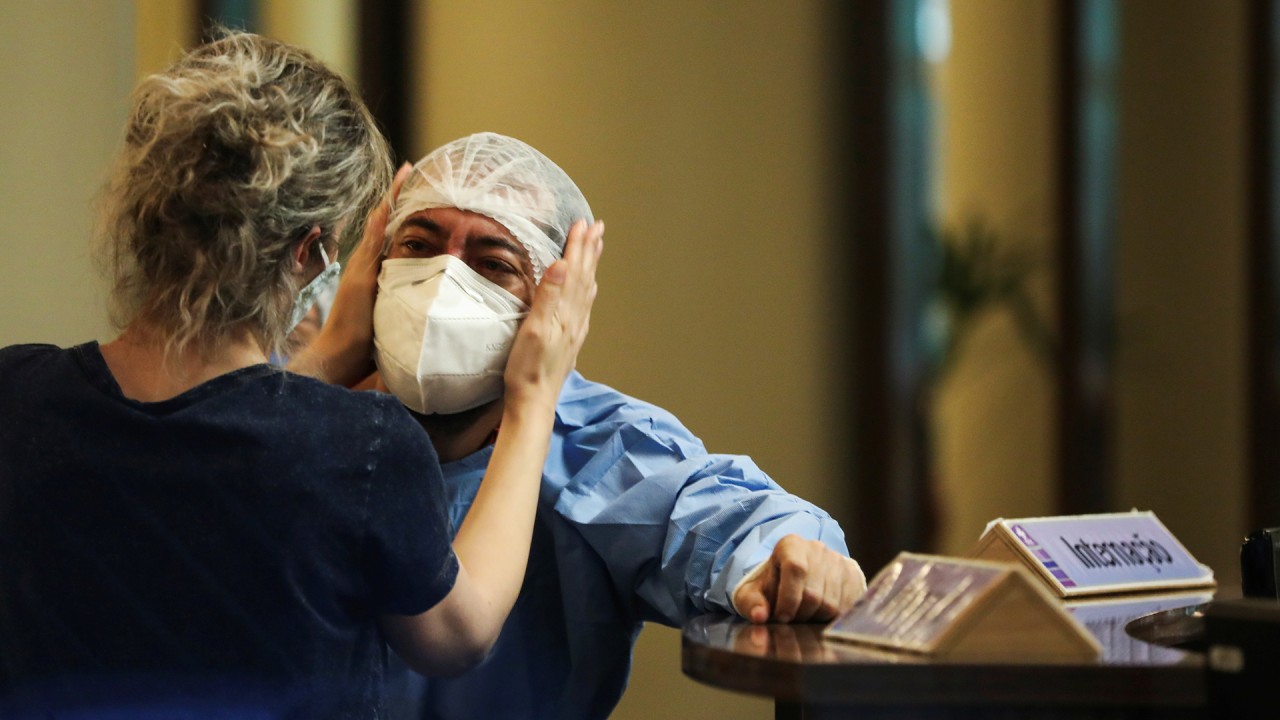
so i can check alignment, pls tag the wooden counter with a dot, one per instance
(813, 678)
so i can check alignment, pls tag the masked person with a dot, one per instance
(636, 521)
(187, 531)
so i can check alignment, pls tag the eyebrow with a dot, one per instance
(421, 222)
(497, 241)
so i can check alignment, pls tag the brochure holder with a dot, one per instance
(964, 610)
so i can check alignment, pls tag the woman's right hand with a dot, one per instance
(547, 344)
(342, 352)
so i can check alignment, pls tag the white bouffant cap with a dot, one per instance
(504, 179)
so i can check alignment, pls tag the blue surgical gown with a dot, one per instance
(636, 522)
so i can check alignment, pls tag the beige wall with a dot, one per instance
(327, 28)
(695, 129)
(66, 70)
(164, 29)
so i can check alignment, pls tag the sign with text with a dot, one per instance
(1096, 554)
(963, 609)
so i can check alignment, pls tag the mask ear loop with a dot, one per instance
(301, 237)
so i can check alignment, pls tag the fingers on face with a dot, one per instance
(573, 246)
(398, 181)
(547, 299)
(582, 253)
(584, 244)
(376, 224)
(582, 250)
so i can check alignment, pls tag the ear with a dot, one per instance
(304, 248)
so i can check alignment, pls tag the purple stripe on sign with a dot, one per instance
(1068, 583)
(1061, 575)
(1050, 564)
(1022, 534)
(1044, 555)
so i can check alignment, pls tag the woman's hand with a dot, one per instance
(342, 353)
(547, 344)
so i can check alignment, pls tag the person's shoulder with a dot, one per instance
(29, 352)
(368, 419)
(378, 407)
(28, 372)
(585, 403)
(32, 356)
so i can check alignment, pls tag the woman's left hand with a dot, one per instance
(547, 344)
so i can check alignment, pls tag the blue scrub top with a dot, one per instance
(636, 522)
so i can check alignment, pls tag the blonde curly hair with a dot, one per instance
(230, 157)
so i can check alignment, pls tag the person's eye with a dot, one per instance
(415, 245)
(494, 265)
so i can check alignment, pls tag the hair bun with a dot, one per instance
(228, 154)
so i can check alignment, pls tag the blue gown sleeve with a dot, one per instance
(676, 527)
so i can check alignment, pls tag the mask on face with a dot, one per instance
(442, 333)
(324, 284)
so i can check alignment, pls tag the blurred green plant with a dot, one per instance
(979, 273)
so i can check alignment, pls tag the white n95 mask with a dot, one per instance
(442, 333)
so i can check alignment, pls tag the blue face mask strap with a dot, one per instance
(310, 292)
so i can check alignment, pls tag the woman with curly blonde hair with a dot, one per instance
(184, 526)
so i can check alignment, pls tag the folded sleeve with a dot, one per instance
(677, 527)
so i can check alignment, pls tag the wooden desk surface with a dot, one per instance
(794, 665)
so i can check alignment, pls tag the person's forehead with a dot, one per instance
(450, 217)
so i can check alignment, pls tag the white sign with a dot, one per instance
(1093, 554)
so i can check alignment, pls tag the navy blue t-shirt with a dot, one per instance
(232, 547)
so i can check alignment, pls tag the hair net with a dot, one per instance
(502, 178)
